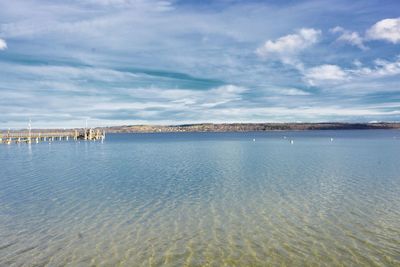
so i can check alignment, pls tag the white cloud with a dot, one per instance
(386, 29)
(387, 68)
(288, 91)
(107, 2)
(357, 63)
(292, 43)
(155, 5)
(352, 38)
(328, 75)
(287, 47)
(293, 92)
(222, 95)
(3, 44)
(325, 73)
(382, 68)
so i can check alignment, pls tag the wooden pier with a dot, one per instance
(30, 136)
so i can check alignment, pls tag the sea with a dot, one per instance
(295, 198)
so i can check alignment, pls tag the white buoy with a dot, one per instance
(291, 142)
(254, 139)
(331, 139)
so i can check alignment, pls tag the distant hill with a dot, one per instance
(246, 127)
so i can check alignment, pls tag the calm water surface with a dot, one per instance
(195, 199)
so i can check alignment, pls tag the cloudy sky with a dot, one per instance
(119, 62)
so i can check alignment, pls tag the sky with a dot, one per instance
(124, 62)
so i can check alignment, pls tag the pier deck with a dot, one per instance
(29, 136)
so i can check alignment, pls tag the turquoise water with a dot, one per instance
(203, 199)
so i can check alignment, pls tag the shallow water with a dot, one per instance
(194, 199)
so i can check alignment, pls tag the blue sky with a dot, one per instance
(117, 62)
